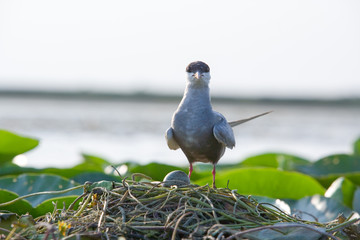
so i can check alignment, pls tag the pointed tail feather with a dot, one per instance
(238, 122)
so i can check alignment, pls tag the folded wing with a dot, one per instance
(171, 142)
(223, 133)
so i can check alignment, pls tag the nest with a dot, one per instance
(143, 210)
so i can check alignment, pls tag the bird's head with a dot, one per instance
(198, 73)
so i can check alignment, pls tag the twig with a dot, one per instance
(288, 225)
(212, 207)
(342, 225)
(84, 205)
(11, 233)
(103, 213)
(116, 170)
(75, 201)
(177, 225)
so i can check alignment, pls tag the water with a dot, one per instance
(121, 130)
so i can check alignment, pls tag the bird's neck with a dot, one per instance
(199, 97)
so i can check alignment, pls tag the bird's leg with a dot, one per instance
(213, 173)
(190, 169)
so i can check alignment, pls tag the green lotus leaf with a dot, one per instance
(268, 182)
(12, 145)
(20, 207)
(342, 190)
(25, 184)
(275, 160)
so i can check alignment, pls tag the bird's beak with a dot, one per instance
(197, 75)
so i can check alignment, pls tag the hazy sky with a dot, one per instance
(254, 48)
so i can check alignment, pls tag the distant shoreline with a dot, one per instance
(146, 96)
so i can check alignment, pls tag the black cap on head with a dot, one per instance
(197, 67)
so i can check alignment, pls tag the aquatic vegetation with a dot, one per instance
(272, 194)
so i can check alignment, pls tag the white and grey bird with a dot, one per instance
(200, 132)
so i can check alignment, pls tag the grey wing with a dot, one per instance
(171, 142)
(223, 133)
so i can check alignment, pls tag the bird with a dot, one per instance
(200, 132)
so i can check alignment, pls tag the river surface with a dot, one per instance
(122, 130)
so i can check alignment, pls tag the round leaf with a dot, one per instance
(31, 183)
(12, 144)
(342, 190)
(357, 147)
(356, 201)
(322, 208)
(334, 164)
(268, 182)
(156, 171)
(20, 207)
(275, 160)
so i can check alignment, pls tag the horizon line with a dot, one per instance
(145, 95)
